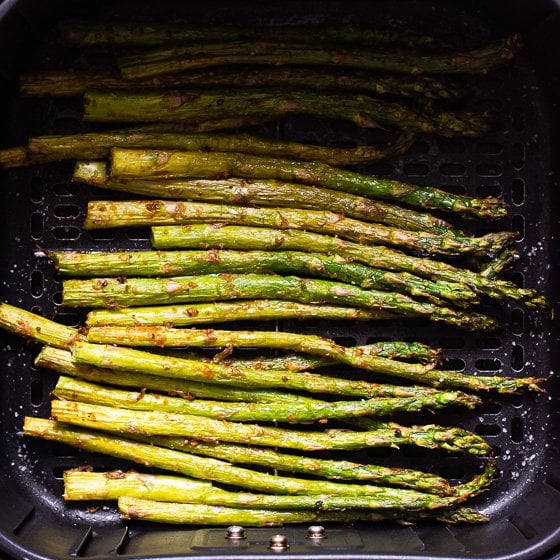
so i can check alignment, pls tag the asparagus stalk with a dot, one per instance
(127, 359)
(30, 325)
(267, 193)
(219, 471)
(153, 422)
(80, 484)
(174, 263)
(148, 164)
(61, 361)
(203, 55)
(141, 34)
(119, 292)
(499, 264)
(250, 238)
(193, 106)
(92, 393)
(64, 83)
(96, 145)
(167, 336)
(189, 514)
(110, 214)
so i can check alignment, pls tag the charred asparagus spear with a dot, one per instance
(64, 83)
(201, 106)
(268, 193)
(176, 59)
(165, 336)
(111, 214)
(113, 292)
(175, 263)
(134, 164)
(219, 471)
(249, 238)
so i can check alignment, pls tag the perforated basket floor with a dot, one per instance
(41, 208)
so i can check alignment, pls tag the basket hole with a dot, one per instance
(489, 190)
(376, 339)
(414, 451)
(68, 319)
(517, 321)
(516, 430)
(66, 211)
(66, 189)
(455, 189)
(36, 191)
(517, 401)
(36, 392)
(488, 365)
(489, 148)
(379, 452)
(103, 234)
(138, 234)
(452, 147)
(488, 342)
(453, 364)
(489, 407)
(381, 169)
(57, 298)
(452, 169)
(489, 169)
(518, 192)
(496, 452)
(518, 119)
(517, 357)
(419, 148)
(452, 472)
(488, 430)
(66, 232)
(345, 340)
(36, 225)
(452, 343)
(518, 225)
(518, 155)
(36, 283)
(416, 169)
(517, 278)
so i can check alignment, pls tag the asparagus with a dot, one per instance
(167, 336)
(267, 193)
(30, 325)
(110, 214)
(92, 393)
(61, 361)
(194, 106)
(153, 422)
(66, 83)
(173, 263)
(251, 238)
(219, 471)
(161, 512)
(499, 264)
(146, 164)
(127, 359)
(141, 34)
(203, 55)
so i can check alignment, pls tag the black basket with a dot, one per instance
(41, 208)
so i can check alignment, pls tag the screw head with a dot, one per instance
(235, 532)
(316, 532)
(278, 542)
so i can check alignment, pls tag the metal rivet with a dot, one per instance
(278, 542)
(316, 532)
(235, 532)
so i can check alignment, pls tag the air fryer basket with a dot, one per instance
(41, 208)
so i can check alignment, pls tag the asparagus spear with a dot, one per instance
(499, 264)
(146, 164)
(174, 263)
(119, 292)
(127, 359)
(219, 471)
(268, 193)
(148, 422)
(199, 106)
(251, 238)
(141, 34)
(61, 361)
(80, 484)
(96, 145)
(203, 55)
(92, 393)
(65, 83)
(110, 214)
(167, 336)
